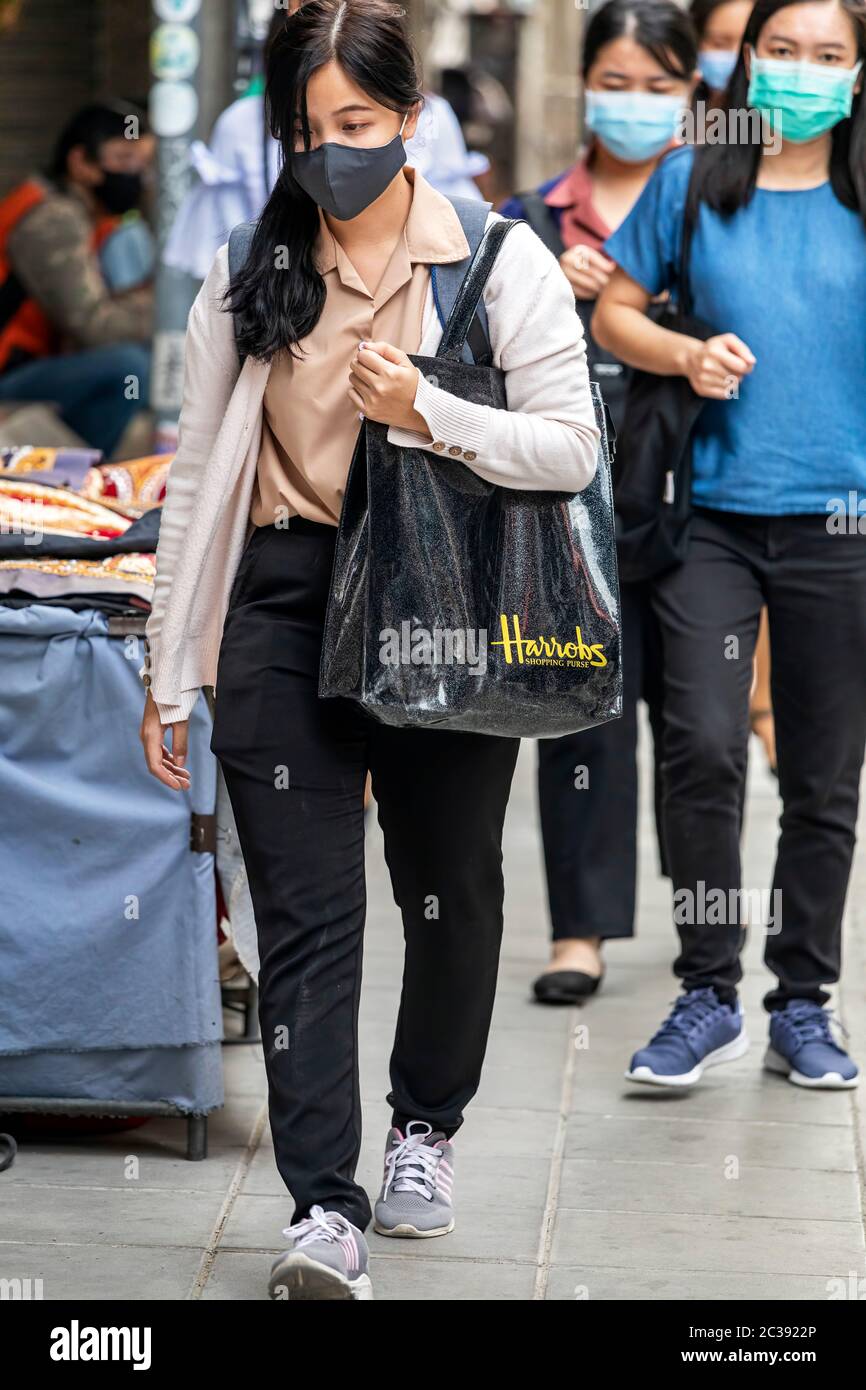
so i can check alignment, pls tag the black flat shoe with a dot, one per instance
(565, 986)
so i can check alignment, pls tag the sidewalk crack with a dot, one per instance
(243, 1167)
(554, 1181)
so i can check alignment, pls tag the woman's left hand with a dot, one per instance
(382, 384)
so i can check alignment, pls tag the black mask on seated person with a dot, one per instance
(119, 193)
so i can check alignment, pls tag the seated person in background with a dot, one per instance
(66, 335)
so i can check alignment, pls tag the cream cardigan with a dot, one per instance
(547, 439)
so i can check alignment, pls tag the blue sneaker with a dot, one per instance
(803, 1048)
(700, 1032)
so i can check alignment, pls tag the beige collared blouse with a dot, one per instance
(310, 425)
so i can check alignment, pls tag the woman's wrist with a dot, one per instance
(683, 349)
(415, 421)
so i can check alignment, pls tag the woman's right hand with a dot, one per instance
(586, 270)
(716, 367)
(167, 766)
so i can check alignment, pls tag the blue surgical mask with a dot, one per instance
(634, 126)
(716, 66)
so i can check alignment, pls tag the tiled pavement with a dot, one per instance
(569, 1184)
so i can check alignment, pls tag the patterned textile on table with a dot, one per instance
(32, 509)
(139, 482)
(70, 468)
(136, 483)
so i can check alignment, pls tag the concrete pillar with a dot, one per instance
(191, 71)
(548, 89)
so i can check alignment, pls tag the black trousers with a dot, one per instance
(588, 794)
(295, 767)
(814, 585)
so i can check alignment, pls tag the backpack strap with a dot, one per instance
(447, 280)
(691, 212)
(541, 219)
(470, 296)
(240, 241)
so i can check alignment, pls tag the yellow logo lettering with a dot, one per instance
(546, 651)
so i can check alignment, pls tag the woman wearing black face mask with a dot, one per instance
(67, 333)
(336, 290)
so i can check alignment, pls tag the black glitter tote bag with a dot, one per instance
(458, 604)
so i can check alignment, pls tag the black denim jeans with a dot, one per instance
(295, 768)
(814, 585)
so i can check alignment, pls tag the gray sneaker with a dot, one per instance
(327, 1259)
(416, 1188)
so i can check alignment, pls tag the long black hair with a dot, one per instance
(276, 308)
(726, 174)
(700, 11)
(659, 26)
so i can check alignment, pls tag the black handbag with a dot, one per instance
(459, 604)
(653, 471)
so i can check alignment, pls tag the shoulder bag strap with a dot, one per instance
(690, 220)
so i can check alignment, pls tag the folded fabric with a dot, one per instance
(132, 574)
(72, 468)
(44, 523)
(115, 605)
(29, 511)
(140, 482)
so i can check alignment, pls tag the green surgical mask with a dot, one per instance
(801, 100)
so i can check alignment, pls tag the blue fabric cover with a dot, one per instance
(107, 919)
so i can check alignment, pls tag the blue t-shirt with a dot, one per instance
(786, 274)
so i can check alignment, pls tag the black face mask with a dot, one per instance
(346, 179)
(119, 193)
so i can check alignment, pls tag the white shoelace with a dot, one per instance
(319, 1225)
(410, 1166)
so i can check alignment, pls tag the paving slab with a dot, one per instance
(578, 1283)
(571, 1184)
(100, 1273)
(751, 1244)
